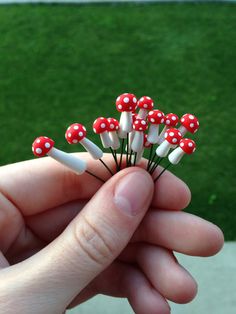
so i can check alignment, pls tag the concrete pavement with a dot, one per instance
(216, 277)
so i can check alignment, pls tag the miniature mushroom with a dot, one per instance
(76, 133)
(170, 121)
(113, 128)
(172, 138)
(139, 126)
(145, 104)
(45, 146)
(186, 146)
(126, 104)
(155, 118)
(146, 144)
(101, 126)
(189, 123)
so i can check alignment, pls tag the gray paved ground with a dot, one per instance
(216, 277)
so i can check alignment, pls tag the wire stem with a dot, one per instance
(106, 166)
(162, 172)
(94, 175)
(135, 158)
(156, 165)
(151, 161)
(121, 154)
(150, 156)
(115, 157)
(127, 150)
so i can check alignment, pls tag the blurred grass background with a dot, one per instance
(65, 64)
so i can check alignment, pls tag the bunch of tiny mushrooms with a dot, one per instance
(135, 132)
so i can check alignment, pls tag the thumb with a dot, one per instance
(94, 238)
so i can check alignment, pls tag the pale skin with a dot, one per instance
(63, 240)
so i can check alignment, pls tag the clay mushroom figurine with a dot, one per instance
(44, 145)
(186, 146)
(126, 104)
(76, 133)
(172, 138)
(145, 104)
(146, 144)
(189, 123)
(113, 128)
(139, 126)
(101, 126)
(171, 120)
(155, 118)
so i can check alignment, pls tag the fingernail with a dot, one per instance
(133, 192)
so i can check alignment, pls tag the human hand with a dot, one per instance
(67, 239)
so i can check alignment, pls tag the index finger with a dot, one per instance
(41, 184)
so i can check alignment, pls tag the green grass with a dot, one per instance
(62, 64)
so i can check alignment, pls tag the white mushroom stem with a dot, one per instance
(92, 148)
(142, 114)
(161, 137)
(114, 139)
(176, 156)
(163, 149)
(153, 133)
(139, 156)
(125, 124)
(106, 141)
(137, 143)
(74, 163)
(182, 130)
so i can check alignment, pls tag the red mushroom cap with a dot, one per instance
(75, 133)
(145, 102)
(100, 125)
(113, 125)
(126, 102)
(134, 116)
(173, 136)
(171, 119)
(146, 144)
(42, 145)
(140, 125)
(190, 122)
(187, 145)
(156, 117)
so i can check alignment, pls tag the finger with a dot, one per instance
(170, 192)
(143, 297)
(50, 224)
(93, 239)
(181, 232)
(124, 280)
(163, 271)
(37, 185)
(3, 261)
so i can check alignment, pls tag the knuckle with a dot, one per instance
(93, 243)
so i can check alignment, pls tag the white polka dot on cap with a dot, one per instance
(171, 133)
(191, 117)
(75, 141)
(81, 134)
(174, 140)
(143, 122)
(120, 106)
(76, 127)
(191, 125)
(38, 150)
(126, 100)
(103, 125)
(190, 144)
(167, 121)
(47, 145)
